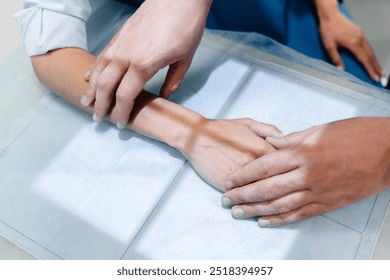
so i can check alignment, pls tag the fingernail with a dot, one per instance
(237, 213)
(384, 81)
(84, 100)
(226, 202)
(341, 67)
(264, 223)
(97, 118)
(229, 184)
(377, 79)
(121, 125)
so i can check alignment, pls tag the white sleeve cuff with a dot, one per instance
(43, 30)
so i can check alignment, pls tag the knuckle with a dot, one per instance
(141, 66)
(102, 83)
(359, 33)
(329, 47)
(251, 210)
(103, 60)
(265, 193)
(358, 39)
(121, 95)
(281, 207)
(283, 219)
(246, 158)
(304, 214)
(264, 170)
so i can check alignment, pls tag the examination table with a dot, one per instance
(74, 189)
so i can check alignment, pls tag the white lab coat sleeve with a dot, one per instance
(52, 24)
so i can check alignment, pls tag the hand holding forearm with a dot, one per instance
(215, 148)
(160, 33)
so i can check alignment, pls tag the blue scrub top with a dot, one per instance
(290, 22)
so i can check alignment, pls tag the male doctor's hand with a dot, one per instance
(314, 171)
(160, 33)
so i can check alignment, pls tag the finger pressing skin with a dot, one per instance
(174, 78)
(95, 72)
(264, 190)
(281, 205)
(107, 84)
(128, 90)
(269, 165)
(89, 97)
(296, 215)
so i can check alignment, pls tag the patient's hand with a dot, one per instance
(218, 147)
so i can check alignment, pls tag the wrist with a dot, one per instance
(326, 8)
(165, 121)
(183, 133)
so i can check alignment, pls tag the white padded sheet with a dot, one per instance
(73, 189)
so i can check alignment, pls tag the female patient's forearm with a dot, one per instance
(214, 148)
(62, 72)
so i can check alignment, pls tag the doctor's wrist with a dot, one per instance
(326, 9)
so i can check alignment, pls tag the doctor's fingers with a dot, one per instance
(265, 190)
(107, 84)
(92, 76)
(175, 77)
(267, 166)
(366, 56)
(280, 205)
(335, 56)
(304, 212)
(130, 87)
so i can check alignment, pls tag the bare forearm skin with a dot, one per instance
(62, 71)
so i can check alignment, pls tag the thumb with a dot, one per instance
(174, 78)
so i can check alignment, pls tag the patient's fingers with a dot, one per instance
(261, 129)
